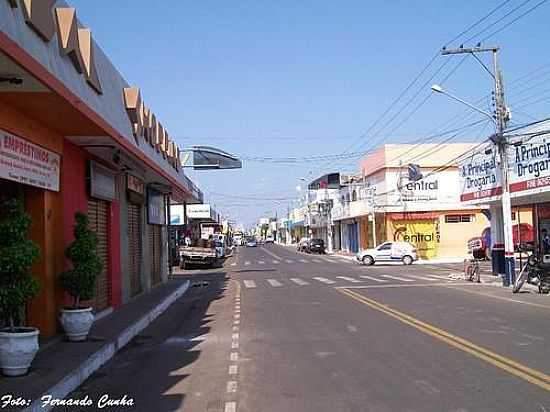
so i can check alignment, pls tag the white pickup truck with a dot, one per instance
(194, 255)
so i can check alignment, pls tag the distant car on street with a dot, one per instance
(269, 239)
(251, 242)
(316, 246)
(389, 252)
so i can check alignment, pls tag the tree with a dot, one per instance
(79, 281)
(17, 254)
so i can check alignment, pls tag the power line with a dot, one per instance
(475, 36)
(473, 25)
(516, 19)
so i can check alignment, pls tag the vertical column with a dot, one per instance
(45, 210)
(497, 240)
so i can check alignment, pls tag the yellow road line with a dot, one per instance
(538, 305)
(533, 376)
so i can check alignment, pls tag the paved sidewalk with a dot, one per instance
(61, 367)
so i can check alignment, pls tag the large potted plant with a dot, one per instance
(18, 344)
(79, 282)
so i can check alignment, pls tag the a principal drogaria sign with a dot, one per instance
(480, 176)
(529, 163)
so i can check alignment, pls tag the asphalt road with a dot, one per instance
(280, 331)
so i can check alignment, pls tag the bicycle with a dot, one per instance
(472, 270)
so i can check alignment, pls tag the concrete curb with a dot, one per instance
(75, 378)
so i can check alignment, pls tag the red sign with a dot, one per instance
(530, 184)
(495, 191)
(135, 184)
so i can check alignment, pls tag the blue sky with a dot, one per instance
(305, 78)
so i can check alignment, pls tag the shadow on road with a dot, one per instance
(150, 369)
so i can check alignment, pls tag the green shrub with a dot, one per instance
(80, 281)
(17, 254)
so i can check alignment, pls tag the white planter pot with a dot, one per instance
(17, 350)
(77, 323)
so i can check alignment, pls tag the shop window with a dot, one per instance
(458, 218)
(354, 196)
(513, 215)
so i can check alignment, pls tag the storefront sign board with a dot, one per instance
(27, 163)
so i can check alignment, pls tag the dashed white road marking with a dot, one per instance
(352, 280)
(230, 407)
(303, 261)
(299, 282)
(324, 280)
(423, 278)
(237, 315)
(316, 260)
(249, 284)
(261, 262)
(438, 277)
(328, 260)
(233, 369)
(274, 282)
(235, 329)
(231, 386)
(247, 263)
(289, 261)
(397, 278)
(235, 345)
(235, 336)
(234, 356)
(269, 252)
(233, 264)
(372, 278)
(236, 322)
(276, 262)
(352, 328)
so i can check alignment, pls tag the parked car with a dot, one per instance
(316, 246)
(269, 239)
(389, 252)
(251, 242)
(302, 244)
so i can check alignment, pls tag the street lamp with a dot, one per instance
(209, 158)
(438, 89)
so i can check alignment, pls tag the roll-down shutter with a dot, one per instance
(155, 246)
(134, 247)
(98, 214)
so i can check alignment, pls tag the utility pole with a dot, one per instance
(371, 196)
(501, 117)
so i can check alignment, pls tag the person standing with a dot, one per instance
(545, 242)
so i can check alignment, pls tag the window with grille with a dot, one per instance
(458, 218)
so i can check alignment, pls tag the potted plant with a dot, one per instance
(79, 282)
(18, 344)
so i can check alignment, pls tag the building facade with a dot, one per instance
(76, 137)
(528, 155)
(384, 204)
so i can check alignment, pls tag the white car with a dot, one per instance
(389, 252)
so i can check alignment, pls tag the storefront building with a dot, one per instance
(385, 205)
(76, 137)
(528, 154)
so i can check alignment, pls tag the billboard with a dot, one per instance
(480, 176)
(25, 162)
